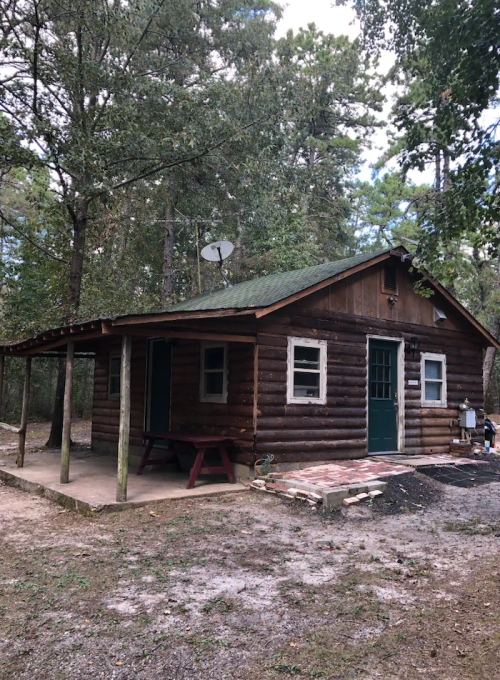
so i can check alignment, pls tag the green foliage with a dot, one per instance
(385, 211)
(448, 66)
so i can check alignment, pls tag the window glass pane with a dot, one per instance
(433, 391)
(214, 358)
(214, 383)
(306, 385)
(380, 390)
(114, 384)
(387, 357)
(306, 357)
(387, 391)
(433, 370)
(114, 366)
(374, 390)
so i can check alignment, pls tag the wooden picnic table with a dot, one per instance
(199, 443)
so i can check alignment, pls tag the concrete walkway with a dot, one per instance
(428, 460)
(92, 485)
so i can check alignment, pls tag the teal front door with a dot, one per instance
(158, 385)
(382, 396)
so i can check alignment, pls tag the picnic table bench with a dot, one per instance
(199, 444)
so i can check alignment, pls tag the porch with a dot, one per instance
(146, 378)
(92, 485)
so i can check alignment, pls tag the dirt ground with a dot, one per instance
(38, 433)
(248, 587)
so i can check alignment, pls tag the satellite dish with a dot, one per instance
(218, 252)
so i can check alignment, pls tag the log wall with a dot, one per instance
(234, 419)
(302, 432)
(106, 409)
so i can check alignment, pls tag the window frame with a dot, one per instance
(114, 395)
(322, 345)
(213, 398)
(428, 403)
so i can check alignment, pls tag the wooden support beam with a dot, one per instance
(24, 414)
(175, 316)
(255, 407)
(124, 428)
(44, 347)
(66, 433)
(186, 335)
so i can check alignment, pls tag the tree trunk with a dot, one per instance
(489, 358)
(77, 256)
(55, 437)
(490, 354)
(71, 311)
(168, 251)
(437, 178)
(496, 395)
(446, 171)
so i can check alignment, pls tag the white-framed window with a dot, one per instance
(115, 363)
(306, 371)
(433, 379)
(213, 375)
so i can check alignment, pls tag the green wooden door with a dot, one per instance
(382, 396)
(158, 385)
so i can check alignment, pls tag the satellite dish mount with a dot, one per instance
(218, 252)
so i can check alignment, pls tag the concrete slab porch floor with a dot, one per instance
(92, 485)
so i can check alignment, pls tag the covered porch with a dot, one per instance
(129, 394)
(92, 486)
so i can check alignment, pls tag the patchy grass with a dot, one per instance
(246, 587)
(473, 527)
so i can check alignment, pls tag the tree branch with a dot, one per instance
(172, 164)
(30, 240)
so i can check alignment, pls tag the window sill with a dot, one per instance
(434, 404)
(222, 399)
(306, 400)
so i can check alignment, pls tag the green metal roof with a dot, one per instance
(268, 290)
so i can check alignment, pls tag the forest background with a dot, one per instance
(130, 131)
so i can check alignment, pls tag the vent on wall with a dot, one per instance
(390, 281)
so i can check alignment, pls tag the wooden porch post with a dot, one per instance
(124, 433)
(66, 433)
(24, 414)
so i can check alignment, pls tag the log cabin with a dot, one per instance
(339, 360)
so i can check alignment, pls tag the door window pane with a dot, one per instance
(380, 374)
